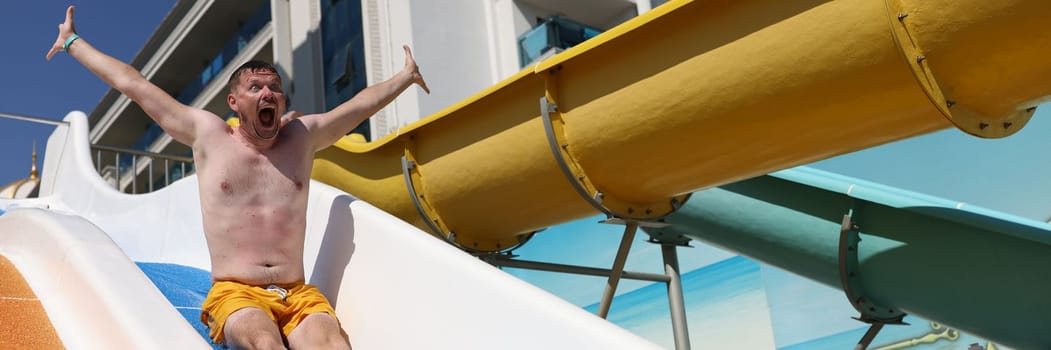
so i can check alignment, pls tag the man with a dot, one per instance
(253, 182)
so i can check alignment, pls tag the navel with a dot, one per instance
(299, 185)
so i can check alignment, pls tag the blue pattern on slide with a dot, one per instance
(185, 287)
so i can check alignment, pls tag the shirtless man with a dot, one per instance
(253, 182)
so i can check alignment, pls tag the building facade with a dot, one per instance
(328, 50)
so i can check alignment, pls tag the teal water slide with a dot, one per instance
(977, 270)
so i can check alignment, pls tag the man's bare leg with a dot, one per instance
(317, 331)
(251, 328)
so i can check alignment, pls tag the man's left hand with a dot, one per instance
(65, 30)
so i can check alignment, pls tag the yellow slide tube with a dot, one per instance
(695, 94)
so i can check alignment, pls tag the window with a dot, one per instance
(343, 55)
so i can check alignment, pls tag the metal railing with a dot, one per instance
(118, 175)
(33, 119)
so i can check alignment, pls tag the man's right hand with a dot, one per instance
(65, 30)
(414, 70)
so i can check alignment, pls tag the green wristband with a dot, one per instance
(70, 40)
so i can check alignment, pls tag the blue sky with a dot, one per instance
(34, 86)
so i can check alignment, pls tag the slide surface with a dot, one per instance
(84, 247)
(25, 322)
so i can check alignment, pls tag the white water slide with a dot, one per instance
(83, 248)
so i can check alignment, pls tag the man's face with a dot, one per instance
(259, 102)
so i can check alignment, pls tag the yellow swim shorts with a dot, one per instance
(287, 305)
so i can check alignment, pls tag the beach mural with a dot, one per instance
(732, 302)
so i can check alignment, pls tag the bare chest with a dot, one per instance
(241, 175)
(244, 175)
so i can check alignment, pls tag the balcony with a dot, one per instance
(229, 51)
(551, 36)
(248, 30)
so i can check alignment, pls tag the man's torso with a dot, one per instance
(254, 205)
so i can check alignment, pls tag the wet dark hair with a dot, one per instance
(250, 66)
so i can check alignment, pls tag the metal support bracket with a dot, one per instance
(875, 315)
(618, 268)
(968, 120)
(630, 228)
(671, 267)
(671, 276)
(663, 237)
(618, 211)
(408, 170)
(412, 176)
(574, 173)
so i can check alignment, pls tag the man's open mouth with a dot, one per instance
(266, 117)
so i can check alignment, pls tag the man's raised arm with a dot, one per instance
(175, 118)
(327, 128)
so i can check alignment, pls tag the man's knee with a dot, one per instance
(318, 331)
(251, 328)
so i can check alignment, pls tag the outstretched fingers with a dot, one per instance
(69, 15)
(54, 48)
(410, 64)
(65, 30)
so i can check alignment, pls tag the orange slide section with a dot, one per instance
(25, 323)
